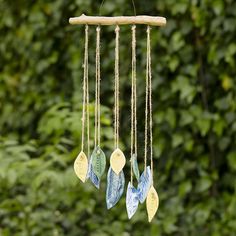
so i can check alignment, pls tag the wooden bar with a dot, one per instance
(118, 20)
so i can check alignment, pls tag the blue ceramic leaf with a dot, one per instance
(115, 187)
(144, 184)
(91, 175)
(95, 180)
(89, 169)
(122, 184)
(131, 200)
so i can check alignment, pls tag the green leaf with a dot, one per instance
(219, 126)
(177, 140)
(203, 125)
(231, 157)
(98, 161)
(135, 166)
(185, 187)
(203, 184)
(218, 6)
(171, 117)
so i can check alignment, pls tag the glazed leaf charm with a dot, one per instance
(117, 161)
(152, 203)
(98, 161)
(81, 166)
(131, 200)
(135, 166)
(115, 187)
(92, 176)
(144, 184)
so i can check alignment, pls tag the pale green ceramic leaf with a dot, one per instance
(135, 166)
(98, 161)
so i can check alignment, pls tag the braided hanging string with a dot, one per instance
(135, 99)
(146, 107)
(150, 95)
(116, 110)
(97, 89)
(85, 91)
(133, 104)
(148, 104)
(99, 81)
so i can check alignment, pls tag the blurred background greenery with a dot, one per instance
(194, 102)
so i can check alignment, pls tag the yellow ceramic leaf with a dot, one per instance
(81, 166)
(152, 203)
(117, 161)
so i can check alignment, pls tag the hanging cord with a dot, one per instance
(97, 90)
(134, 8)
(87, 92)
(99, 87)
(133, 103)
(100, 8)
(116, 110)
(135, 94)
(101, 5)
(85, 87)
(96, 102)
(146, 104)
(150, 97)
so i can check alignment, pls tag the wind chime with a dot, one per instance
(94, 168)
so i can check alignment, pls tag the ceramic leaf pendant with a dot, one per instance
(89, 169)
(117, 161)
(81, 166)
(131, 200)
(135, 166)
(115, 187)
(152, 203)
(144, 184)
(92, 176)
(98, 161)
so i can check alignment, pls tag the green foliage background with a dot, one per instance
(194, 99)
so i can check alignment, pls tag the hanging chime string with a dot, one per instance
(115, 90)
(98, 81)
(135, 96)
(97, 89)
(146, 104)
(150, 97)
(87, 91)
(116, 110)
(132, 110)
(84, 86)
(132, 116)
(133, 103)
